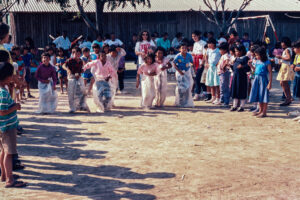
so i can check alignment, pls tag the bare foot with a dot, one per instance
(256, 113)
(261, 115)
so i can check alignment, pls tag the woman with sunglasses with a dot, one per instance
(142, 46)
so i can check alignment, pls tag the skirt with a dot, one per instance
(297, 86)
(259, 92)
(239, 85)
(285, 73)
(212, 77)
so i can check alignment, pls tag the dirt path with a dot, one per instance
(200, 153)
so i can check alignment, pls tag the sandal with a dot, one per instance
(16, 184)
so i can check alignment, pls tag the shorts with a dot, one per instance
(87, 76)
(8, 141)
(62, 73)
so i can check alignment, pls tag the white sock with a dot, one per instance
(243, 102)
(235, 103)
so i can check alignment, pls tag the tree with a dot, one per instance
(220, 15)
(99, 7)
(6, 5)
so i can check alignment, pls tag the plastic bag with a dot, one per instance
(48, 98)
(184, 89)
(148, 91)
(161, 88)
(77, 94)
(102, 95)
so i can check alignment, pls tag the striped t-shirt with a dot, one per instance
(9, 121)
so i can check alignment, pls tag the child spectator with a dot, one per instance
(114, 57)
(87, 74)
(8, 128)
(46, 75)
(171, 56)
(27, 59)
(161, 79)
(212, 78)
(98, 41)
(261, 84)
(21, 69)
(103, 72)
(246, 41)
(95, 52)
(286, 74)
(239, 82)
(145, 76)
(224, 74)
(76, 89)
(296, 69)
(276, 53)
(62, 74)
(198, 53)
(183, 62)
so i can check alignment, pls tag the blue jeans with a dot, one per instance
(199, 86)
(224, 87)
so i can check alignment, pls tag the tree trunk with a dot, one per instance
(99, 16)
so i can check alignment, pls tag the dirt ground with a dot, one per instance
(173, 153)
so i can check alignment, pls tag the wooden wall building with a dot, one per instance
(39, 22)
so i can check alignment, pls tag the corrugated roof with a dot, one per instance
(163, 6)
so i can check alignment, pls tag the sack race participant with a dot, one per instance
(161, 80)
(145, 76)
(46, 76)
(184, 78)
(76, 89)
(104, 74)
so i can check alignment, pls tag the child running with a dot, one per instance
(261, 84)
(46, 76)
(145, 75)
(87, 75)
(103, 72)
(183, 62)
(239, 81)
(76, 89)
(62, 74)
(161, 80)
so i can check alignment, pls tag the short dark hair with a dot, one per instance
(241, 48)
(85, 49)
(287, 41)
(224, 46)
(6, 70)
(212, 41)
(152, 56)
(4, 56)
(253, 48)
(45, 54)
(95, 45)
(246, 34)
(161, 49)
(296, 44)
(4, 30)
(183, 44)
(196, 32)
(77, 49)
(112, 48)
(15, 48)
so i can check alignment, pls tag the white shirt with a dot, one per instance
(116, 42)
(143, 47)
(87, 44)
(198, 48)
(62, 42)
(115, 60)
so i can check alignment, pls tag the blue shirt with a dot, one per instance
(261, 68)
(27, 59)
(94, 56)
(182, 63)
(213, 56)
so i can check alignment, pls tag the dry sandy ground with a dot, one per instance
(200, 153)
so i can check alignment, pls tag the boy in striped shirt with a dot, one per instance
(8, 127)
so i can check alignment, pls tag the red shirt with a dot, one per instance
(75, 66)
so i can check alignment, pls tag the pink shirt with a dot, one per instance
(101, 72)
(148, 69)
(222, 63)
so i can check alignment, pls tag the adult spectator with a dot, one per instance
(143, 45)
(131, 48)
(114, 41)
(8, 45)
(164, 42)
(177, 40)
(63, 42)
